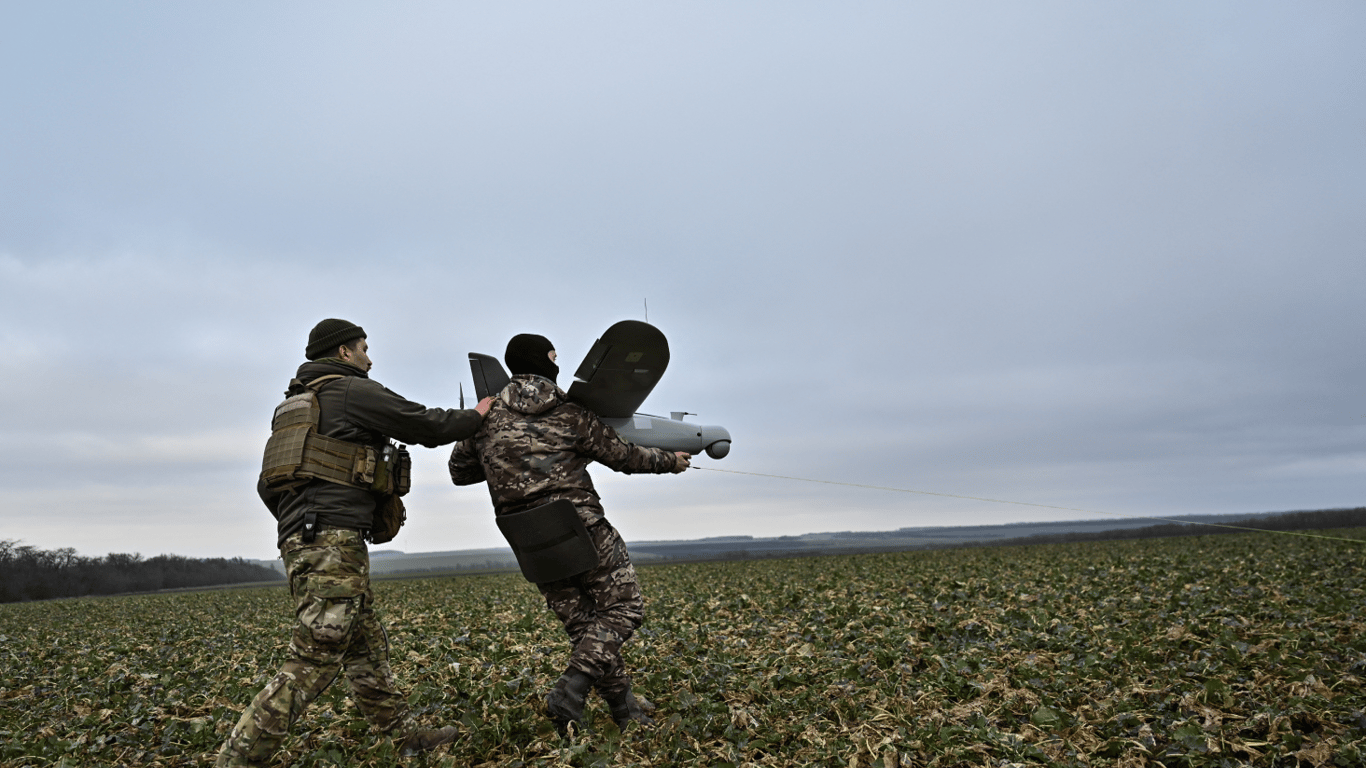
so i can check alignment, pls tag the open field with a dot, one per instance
(1243, 649)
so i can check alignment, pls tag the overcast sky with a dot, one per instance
(1101, 256)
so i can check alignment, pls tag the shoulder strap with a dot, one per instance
(318, 383)
(297, 387)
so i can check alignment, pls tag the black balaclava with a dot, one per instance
(529, 353)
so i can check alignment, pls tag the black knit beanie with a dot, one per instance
(529, 353)
(331, 333)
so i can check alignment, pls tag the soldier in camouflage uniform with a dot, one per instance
(336, 629)
(534, 448)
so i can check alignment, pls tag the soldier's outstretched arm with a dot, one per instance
(605, 446)
(373, 406)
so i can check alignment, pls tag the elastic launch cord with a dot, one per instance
(1030, 504)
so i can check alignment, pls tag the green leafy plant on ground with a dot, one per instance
(1212, 651)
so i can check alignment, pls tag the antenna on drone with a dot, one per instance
(647, 310)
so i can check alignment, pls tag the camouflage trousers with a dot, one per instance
(600, 610)
(335, 631)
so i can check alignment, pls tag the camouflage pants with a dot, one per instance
(600, 610)
(335, 631)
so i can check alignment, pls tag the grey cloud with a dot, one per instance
(1099, 257)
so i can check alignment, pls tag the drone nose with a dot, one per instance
(719, 449)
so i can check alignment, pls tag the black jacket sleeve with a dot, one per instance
(373, 407)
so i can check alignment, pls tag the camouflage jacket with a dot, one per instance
(535, 446)
(359, 409)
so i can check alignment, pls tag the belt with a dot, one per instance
(298, 536)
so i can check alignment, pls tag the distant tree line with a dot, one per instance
(28, 573)
(1286, 521)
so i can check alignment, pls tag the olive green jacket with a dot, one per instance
(360, 410)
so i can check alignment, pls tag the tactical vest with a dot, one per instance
(296, 452)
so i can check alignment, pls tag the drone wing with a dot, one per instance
(621, 369)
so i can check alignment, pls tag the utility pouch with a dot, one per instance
(310, 531)
(550, 542)
(393, 471)
(390, 515)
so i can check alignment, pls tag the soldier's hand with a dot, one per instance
(682, 461)
(484, 406)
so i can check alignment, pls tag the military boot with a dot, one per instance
(645, 704)
(627, 708)
(565, 701)
(425, 739)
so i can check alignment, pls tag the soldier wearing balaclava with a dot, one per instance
(529, 353)
(534, 450)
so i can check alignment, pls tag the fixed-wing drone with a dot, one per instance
(621, 369)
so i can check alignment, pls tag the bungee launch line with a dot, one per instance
(1031, 504)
